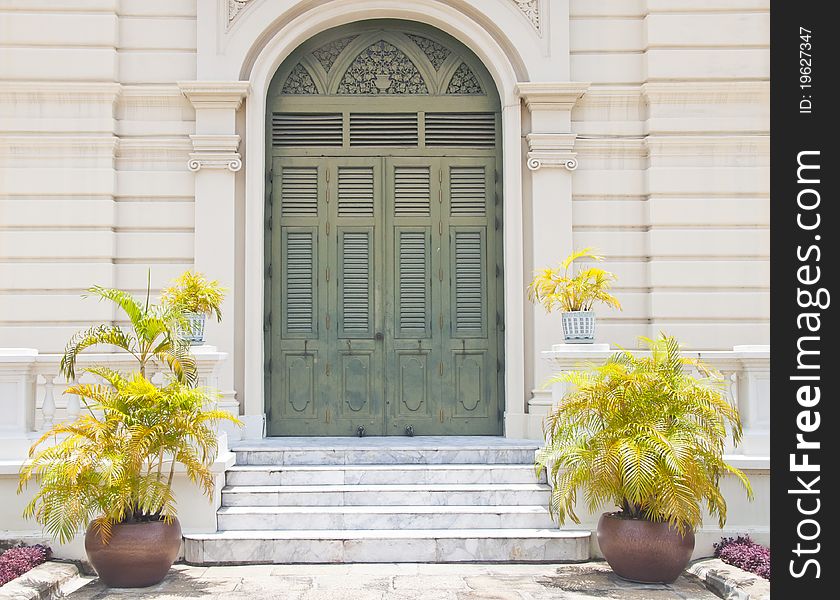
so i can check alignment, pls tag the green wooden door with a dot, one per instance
(440, 296)
(387, 296)
(326, 354)
(383, 237)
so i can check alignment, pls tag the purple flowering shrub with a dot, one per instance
(16, 561)
(745, 554)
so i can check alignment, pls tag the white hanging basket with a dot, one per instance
(579, 327)
(194, 330)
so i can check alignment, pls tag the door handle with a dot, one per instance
(379, 336)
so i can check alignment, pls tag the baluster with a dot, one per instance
(48, 407)
(74, 406)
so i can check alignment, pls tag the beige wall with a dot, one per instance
(672, 144)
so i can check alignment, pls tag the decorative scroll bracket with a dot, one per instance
(551, 150)
(215, 152)
(551, 143)
(215, 143)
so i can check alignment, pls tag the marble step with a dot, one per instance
(372, 546)
(238, 518)
(422, 452)
(380, 474)
(393, 495)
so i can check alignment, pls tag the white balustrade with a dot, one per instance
(745, 369)
(33, 399)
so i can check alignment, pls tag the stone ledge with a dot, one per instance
(44, 581)
(728, 582)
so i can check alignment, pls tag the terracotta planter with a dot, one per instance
(644, 551)
(137, 555)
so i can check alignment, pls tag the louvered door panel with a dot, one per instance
(468, 191)
(299, 282)
(412, 191)
(468, 283)
(412, 261)
(356, 283)
(355, 192)
(299, 191)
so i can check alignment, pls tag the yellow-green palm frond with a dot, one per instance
(553, 288)
(117, 465)
(94, 336)
(642, 433)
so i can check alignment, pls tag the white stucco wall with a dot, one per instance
(671, 140)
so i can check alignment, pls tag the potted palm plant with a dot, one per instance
(575, 294)
(646, 436)
(111, 470)
(198, 297)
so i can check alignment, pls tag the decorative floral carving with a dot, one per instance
(382, 68)
(435, 52)
(299, 81)
(531, 9)
(464, 81)
(328, 53)
(234, 8)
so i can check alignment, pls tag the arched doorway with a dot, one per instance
(383, 237)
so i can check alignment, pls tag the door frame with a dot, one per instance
(506, 72)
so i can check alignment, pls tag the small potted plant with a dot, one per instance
(198, 298)
(643, 434)
(111, 470)
(575, 294)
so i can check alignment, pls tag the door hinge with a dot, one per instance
(268, 271)
(269, 365)
(267, 325)
(498, 366)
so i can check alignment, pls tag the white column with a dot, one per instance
(552, 161)
(215, 160)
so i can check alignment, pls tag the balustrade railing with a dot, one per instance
(746, 371)
(32, 397)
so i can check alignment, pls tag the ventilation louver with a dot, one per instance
(464, 130)
(307, 129)
(383, 129)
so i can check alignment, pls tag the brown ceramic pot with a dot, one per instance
(137, 555)
(644, 551)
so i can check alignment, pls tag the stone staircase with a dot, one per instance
(423, 499)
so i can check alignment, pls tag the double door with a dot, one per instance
(383, 297)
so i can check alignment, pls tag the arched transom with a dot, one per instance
(383, 62)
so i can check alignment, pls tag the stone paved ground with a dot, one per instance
(401, 582)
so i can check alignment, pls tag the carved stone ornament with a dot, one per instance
(436, 53)
(299, 82)
(551, 150)
(329, 53)
(382, 68)
(234, 8)
(464, 81)
(215, 152)
(531, 10)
